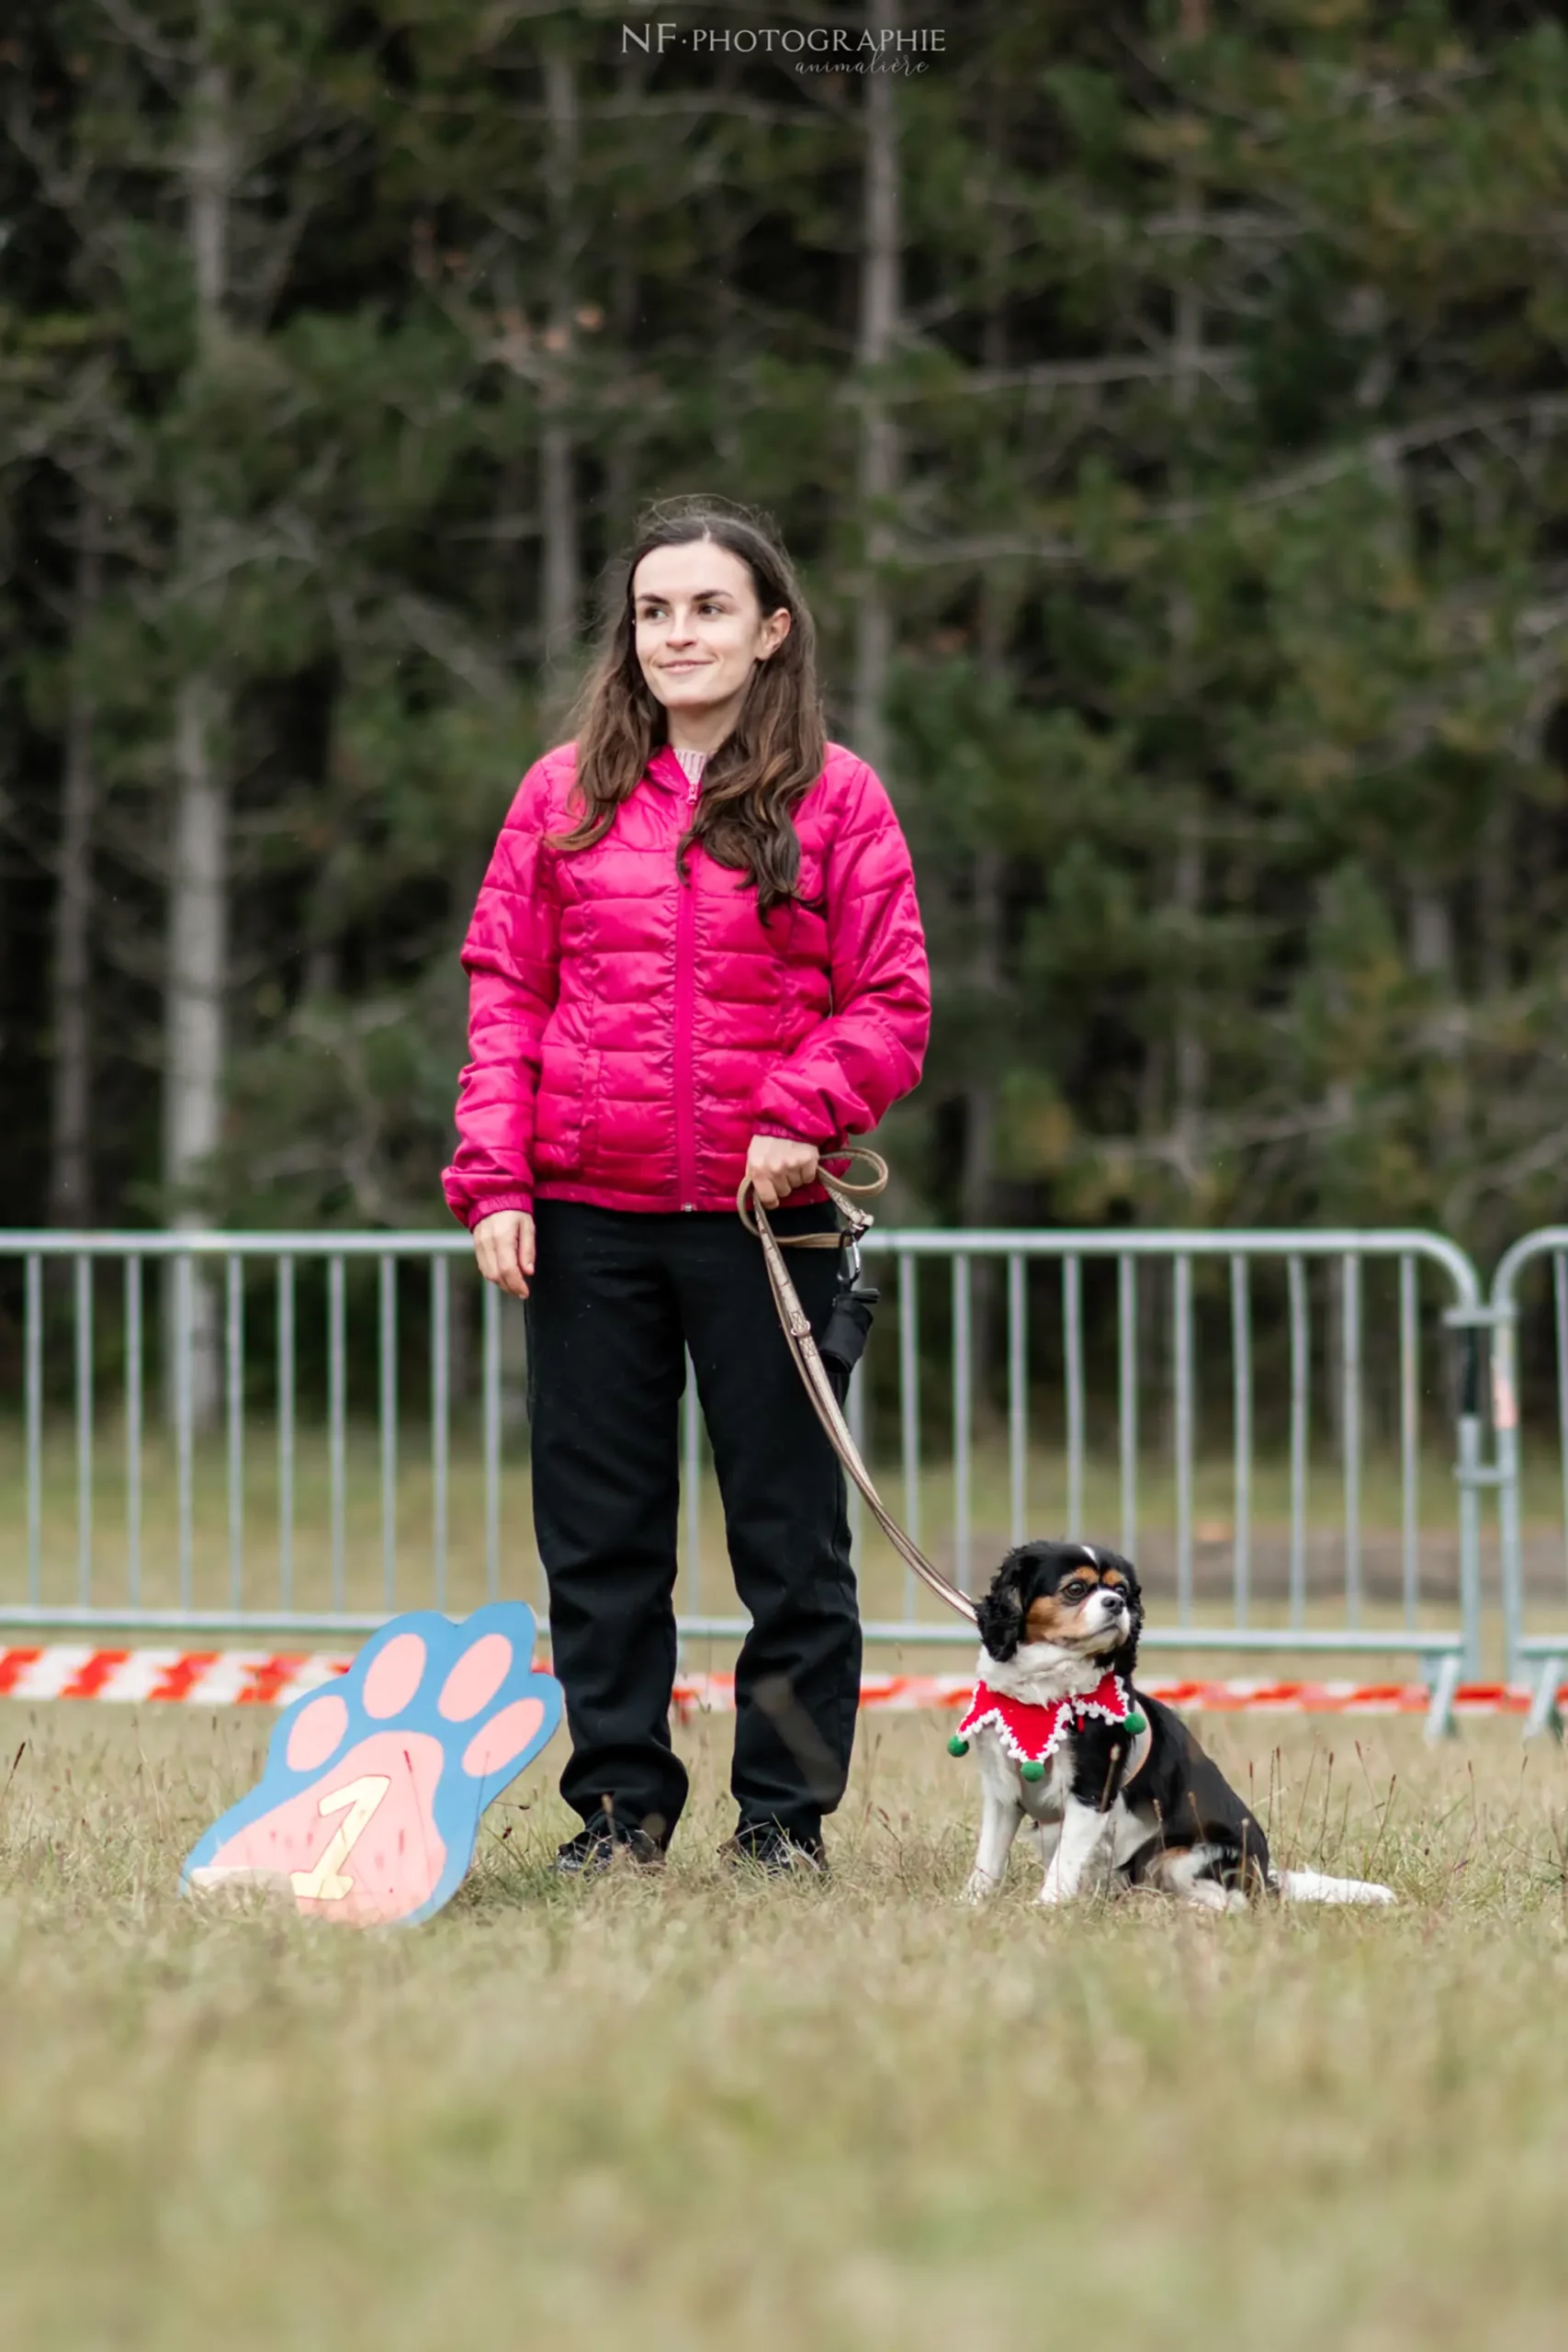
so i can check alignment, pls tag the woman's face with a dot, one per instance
(699, 627)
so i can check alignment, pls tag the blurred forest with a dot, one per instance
(1167, 404)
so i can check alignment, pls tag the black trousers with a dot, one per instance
(618, 1295)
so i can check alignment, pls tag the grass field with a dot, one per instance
(687, 2113)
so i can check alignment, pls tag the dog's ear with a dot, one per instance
(999, 1616)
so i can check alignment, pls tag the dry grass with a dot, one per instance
(694, 2113)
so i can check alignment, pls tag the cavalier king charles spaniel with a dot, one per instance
(1119, 1791)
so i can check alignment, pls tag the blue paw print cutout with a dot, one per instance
(369, 1805)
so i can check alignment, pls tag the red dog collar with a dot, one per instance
(1032, 1735)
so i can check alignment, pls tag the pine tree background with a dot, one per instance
(1179, 389)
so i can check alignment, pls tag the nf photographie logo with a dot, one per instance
(815, 48)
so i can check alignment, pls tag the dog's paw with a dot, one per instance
(1207, 1895)
(978, 1887)
(370, 1804)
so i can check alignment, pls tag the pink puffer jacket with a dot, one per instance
(630, 1035)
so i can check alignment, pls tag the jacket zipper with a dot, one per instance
(686, 1021)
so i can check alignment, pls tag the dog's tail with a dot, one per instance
(1312, 1886)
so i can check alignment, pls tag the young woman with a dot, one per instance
(696, 958)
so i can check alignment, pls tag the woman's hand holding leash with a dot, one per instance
(779, 1164)
(504, 1244)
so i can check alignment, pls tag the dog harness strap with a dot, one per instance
(813, 1371)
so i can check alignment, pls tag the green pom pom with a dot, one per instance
(1031, 1771)
(1134, 1722)
(956, 1747)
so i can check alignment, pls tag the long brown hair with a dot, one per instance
(773, 753)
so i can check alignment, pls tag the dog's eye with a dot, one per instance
(1074, 1591)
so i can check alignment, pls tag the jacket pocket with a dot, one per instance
(558, 1124)
(590, 1095)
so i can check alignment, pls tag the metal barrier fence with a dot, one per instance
(1542, 1656)
(1064, 1419)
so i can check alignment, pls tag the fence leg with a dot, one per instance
(1544, 1714)
(1441, 1723)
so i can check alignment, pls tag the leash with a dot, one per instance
(803, 1347)
(819, 1387)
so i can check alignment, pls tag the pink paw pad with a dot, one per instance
(475, 1679)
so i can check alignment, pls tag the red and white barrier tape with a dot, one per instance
(187, 1677)
(900, 1692)
(268, 1679)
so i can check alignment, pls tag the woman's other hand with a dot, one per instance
(504, 1244)
(778, 1164)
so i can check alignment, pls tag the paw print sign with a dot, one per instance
(369, 1808)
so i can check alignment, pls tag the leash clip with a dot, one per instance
(856, 1221)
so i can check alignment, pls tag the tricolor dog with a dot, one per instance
(1119, 1791)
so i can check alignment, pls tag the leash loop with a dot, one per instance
(846, 1198)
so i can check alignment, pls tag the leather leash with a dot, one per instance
(803, 1347)
(819, 1387)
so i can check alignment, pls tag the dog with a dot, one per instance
(1119, 1791)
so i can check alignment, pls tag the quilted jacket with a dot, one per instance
(630, 1034)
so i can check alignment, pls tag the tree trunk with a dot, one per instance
(986, 981)
(1492, 896)
(197, 973)
(624, 451)
(198, 933)
(70, 1170)
(198, 936)
(1189, 1057)
(877, 468)
(561, 581)
(1432, 937)
(1433, 956)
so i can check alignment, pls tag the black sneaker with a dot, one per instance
(604, 1844)
(767, 1846)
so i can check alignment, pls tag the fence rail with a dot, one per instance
(352, 1391)
(1348, 1254)
(1541, 1655)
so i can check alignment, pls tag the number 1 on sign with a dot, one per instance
(359, 1800)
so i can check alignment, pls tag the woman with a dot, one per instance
(696, 957)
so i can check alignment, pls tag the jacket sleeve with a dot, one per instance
(847, 1072)
(511, 955)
